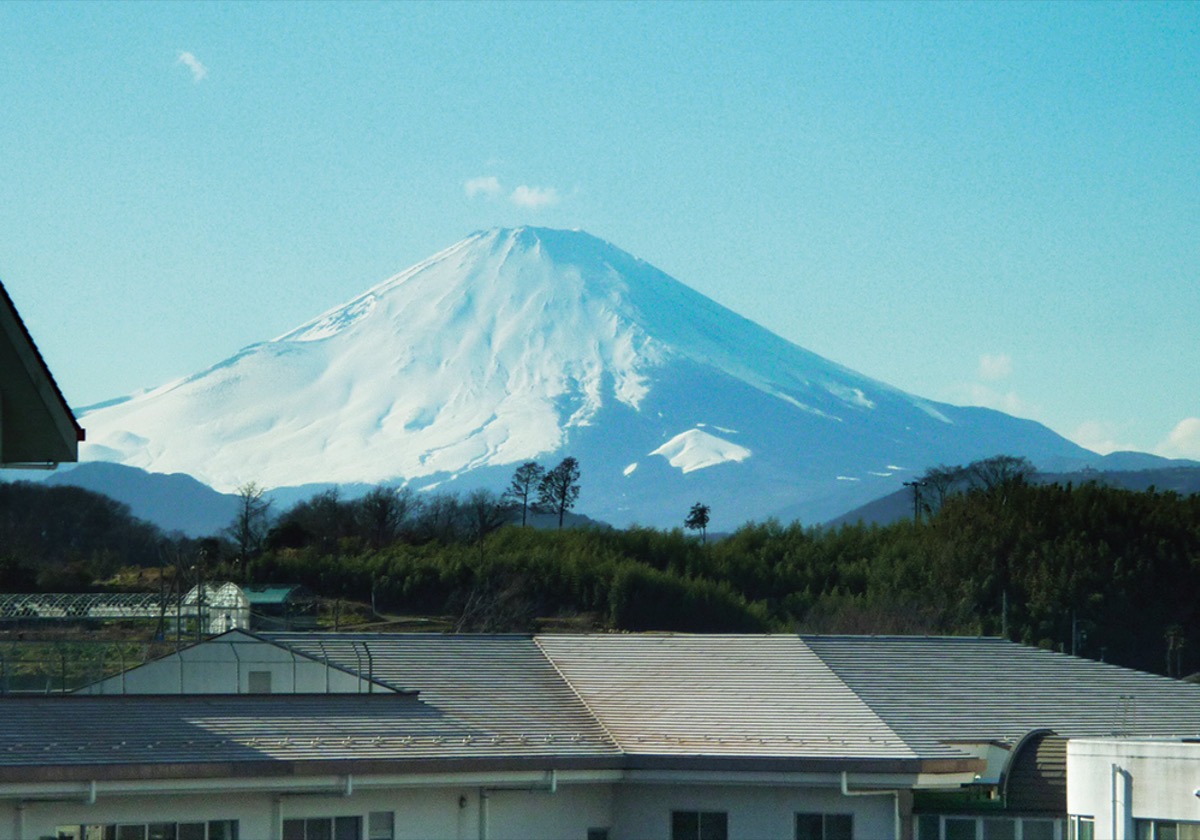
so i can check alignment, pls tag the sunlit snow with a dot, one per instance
(695, 449)
(505, 347)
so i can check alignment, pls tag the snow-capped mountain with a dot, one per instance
(534, 344)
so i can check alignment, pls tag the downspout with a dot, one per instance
(1120, 795)
(483, 814)
(895, 794)
(237, 657)
(370, 668)
(484, 794)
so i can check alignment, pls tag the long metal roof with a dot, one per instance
(894, 704)
(721, 695)
(960, 688)
(85, 730)
(780, 695)
(500, 683)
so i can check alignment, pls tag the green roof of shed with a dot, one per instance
(274, 593)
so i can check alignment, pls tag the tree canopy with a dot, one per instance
(558, 489)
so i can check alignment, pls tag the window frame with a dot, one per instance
(706, 824)
(825, 817)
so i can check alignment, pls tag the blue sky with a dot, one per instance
(992, 204)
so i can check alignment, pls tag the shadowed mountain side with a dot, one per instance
(1184, 480)
(172, 502)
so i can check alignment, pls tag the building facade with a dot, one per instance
(595, 737)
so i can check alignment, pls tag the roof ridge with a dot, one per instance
(578, 696)
(887, 724)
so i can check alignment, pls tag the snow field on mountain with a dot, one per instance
(534, 344)
(696, 449)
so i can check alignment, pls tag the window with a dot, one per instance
(699, 825)
(929, 827)
(1166, 830)
(1083, 828)
(999, 828)
(214, 830)
(381, 825)
(966, 827)
(323, 828)
(824, 827)
(959, 828)
(1037, 830)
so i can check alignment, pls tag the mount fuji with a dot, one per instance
(534, 344)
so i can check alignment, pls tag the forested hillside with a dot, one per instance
(1106, 572)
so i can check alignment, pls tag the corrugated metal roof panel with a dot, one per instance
(84, 730)
(721, 695)
(1036, 778)
(501, 684)
(675, 697)
(962, 688)
(277, 594)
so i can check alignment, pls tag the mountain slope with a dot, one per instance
(533, 344)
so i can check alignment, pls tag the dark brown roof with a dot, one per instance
(45, 430)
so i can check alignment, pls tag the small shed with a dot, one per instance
(281, 606)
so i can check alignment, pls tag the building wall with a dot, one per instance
(452, 810)
(224, 667)
(643, 812)
(424, 813)
(1117, 781)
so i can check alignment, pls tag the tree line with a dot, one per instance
(1103, 572)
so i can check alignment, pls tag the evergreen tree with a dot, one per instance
(559, 488)
(697, 520)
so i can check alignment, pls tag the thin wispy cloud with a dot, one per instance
(534, 198)
(995, 366)
(1099, 436)
(1007, 401)
(188, 60)
(487, 186)
(1183, 441)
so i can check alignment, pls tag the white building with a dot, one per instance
(1134, 788)
(623, 737)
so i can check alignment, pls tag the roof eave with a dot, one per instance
(67, 430)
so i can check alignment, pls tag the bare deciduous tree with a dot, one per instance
(523, 487)
(249, 527)
(382, 512)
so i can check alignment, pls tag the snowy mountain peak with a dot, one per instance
(518, 344)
